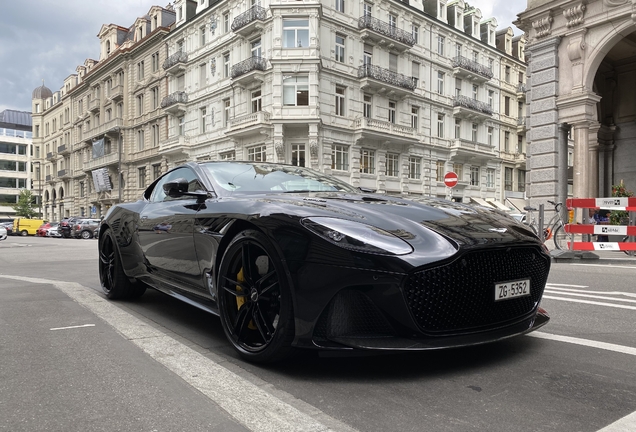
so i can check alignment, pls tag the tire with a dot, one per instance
(24, 233)
(86, 235)
(115, 284)
(561, 238)
(255, 304)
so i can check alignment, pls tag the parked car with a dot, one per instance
(45, 227)
(24, 226)
(65, 226)
(54, 231)
(292, 258)
(84, 228)
(8, 226)
(3, 233)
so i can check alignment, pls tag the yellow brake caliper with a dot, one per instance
(240, 301)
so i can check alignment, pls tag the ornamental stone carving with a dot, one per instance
(574, 15)
(543, 26)
(614, 3)
(313, 148)
(280, 149)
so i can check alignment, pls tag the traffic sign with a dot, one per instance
(450, 179)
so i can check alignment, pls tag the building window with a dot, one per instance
(458, 50)
(367, 9)
(226, 112)
(202, 36)
(140, 140)
(155, 97)
(507, 105)
(415, 32)
(490, 131)
(392, 111)
(440, 125)
(458, 87)
(226, 22)
(440, 45)
(298, 155)
(140, 70)
(340, 48)
(296, 90)
(459, 170)
(181, 126)
(415, 115)
(475, 91)
(226, 65)
(367, 103)
(140, 104)
(521, 181)
(156, 171)
(340, 101)
(441, 170)
(155, 135)
(491, 64)
(257, 154)
(519, 144)
(415, 73)
(257, 101)
(154, 64)
(507, 75)
(295, 33)
(202, 75)
(367, 161)
(340, 5)
(392, 21)
(227, 156)
(474, 176)
(392, 164)
(458, 128)
(440, 82)
(415, 168)
(202, 118)
(141, 177)
(508, 179)
(340, 158)
(507, 142)
(490, 178)
(491, 97)
(474, 133)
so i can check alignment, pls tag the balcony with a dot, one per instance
(102, 161)
(111, 126)
(249, 71)
(521, 124)
(521, 91)
(117, 93)
(64, 149)
(175, 103)
(64, 174)
(471, 109)
(382, 33)
(50, 156)
(380, 129)
(176, 63)
(384, 81)
(249, 22)
(175, 145)
(49, 179)
(93, 105)
(465, 68)
(465, 150)
(250, 124)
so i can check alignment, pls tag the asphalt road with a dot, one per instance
(70, 360)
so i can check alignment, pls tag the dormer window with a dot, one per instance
(107, 47)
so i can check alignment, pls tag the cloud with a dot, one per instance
(47, 39)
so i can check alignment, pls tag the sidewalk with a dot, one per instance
(590, 257)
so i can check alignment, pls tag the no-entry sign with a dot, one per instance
(450, 179)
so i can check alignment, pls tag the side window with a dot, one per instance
(158, 195)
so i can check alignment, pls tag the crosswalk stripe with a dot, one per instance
(590, 302)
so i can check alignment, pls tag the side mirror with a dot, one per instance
(176, 188)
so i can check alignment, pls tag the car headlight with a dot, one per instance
(357, 236)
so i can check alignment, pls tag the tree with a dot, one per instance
(620, 217)
(24, 206)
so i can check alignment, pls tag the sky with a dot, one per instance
(47, 39)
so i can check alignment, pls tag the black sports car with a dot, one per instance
(289, 257)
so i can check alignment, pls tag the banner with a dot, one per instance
(101, 180)
(98, 148)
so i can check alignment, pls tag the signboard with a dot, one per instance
(450, 179)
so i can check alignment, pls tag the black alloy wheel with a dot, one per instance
(255, 302)
(115, 284)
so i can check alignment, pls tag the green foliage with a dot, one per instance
(24, 206)
(617, 217)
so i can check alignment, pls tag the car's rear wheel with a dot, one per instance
(24, 233)
(86, 235)
(255, 301)
(115, 284)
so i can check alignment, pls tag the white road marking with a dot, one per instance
(566, 285)
(626, 424)
(590, 302)
(250, 404)
(585, 342)
(613, 266)
(73, 327)
(566, 290)
(576, 294)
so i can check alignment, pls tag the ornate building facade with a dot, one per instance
(388, 96)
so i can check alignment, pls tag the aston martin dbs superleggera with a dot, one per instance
(291, 258)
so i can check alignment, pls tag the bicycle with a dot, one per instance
(554, 229)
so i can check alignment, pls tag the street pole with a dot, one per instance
(119, 142)
(39, 191)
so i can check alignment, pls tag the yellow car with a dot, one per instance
(24, 226)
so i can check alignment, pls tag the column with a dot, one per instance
(581, 154)
(592, 172)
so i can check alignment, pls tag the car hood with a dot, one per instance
(463, 225)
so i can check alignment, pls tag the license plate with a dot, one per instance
(512, 289)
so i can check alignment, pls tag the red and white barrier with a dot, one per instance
(612, 203)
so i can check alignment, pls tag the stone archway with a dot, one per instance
(579, 53)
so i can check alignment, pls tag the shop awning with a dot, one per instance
(499, 205)
(481, 202)
(517, 203)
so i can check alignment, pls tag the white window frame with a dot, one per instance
(474, 175)
(367, 161)
(300, 32)
(415, 168)
(392, 165)
(392, 111)
(340, 48)
(293, 85)
(340, 157)
(257, 153)
(340, 100)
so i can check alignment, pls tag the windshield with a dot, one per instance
(246, 177)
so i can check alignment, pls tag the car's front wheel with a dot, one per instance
(86, 235)
(115, 284)
(255, 303)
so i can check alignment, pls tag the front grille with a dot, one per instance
(459, 296)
